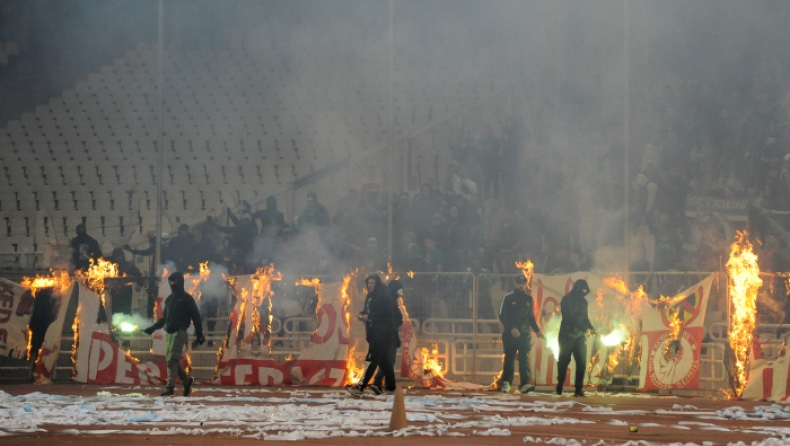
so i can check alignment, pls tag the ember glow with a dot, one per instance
(354, 371)
(744, 284)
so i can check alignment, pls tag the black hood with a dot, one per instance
(581, 288)
(395, 286)
(177, 285)
(379, 283)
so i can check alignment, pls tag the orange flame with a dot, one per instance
(431, 366)
(744, 284)
(390, 274)
(527, 268)
(57, 279)
(98, 271)
(75, 327)
(410, 274)
(354, 371)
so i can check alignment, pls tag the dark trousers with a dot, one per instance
(392, 353)
(516, 348)
(576, 347)
(378, 356)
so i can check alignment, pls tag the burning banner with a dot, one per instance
(98, 358)
(60, 287)
(672, 339)
(768, 380)
(16, 309)
(322, 363)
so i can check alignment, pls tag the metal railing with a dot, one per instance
(454, 315)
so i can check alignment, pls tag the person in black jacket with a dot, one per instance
(396, 292)
(378, 316)
(84, 248)
(518, 316)
(180, 310)
(572, 339)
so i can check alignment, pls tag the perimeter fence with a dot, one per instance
(454, 315)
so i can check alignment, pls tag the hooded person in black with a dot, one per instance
(380, 330)
(517, 315)
(83, 249)
(272, 220)
(180, 311)
(396, 292)
(572, 339)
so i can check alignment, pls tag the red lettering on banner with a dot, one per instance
(5, 316)
(7, 300)
(768, 382)
(272, 373)
(3, 336)
(328, 311)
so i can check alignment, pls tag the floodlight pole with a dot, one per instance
(159, 148)
(390, 148)
(626, 137)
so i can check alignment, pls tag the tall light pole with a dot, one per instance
(160, 150)
(390, 131)
(626, 133)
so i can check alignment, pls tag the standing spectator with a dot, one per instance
(315, 214)
(272, 220)
(423, 206)
(180, 311)
(464, 186)
(373, 259)
(164, 254)
(243, 233)
(489, 160)
(183, 248)
(380, 330)
(517, 315)
(84, 248)
(574, 327)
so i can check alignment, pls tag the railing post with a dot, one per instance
(474, 325)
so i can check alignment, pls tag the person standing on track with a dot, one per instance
(380, 330)
(180, 310)
(518, 316)
(396, 292)
(574, 327)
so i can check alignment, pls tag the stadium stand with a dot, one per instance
(235, 127)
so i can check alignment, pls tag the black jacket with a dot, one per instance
(575, 321)
(180, 309)
(381, 312)
(516, 311)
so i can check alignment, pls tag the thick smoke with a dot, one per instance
(557, 69)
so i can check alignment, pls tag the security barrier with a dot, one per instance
(455, 317)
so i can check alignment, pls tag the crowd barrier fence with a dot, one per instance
(455, 316)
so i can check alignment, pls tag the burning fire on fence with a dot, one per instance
(527, 268)
(59, 280)
(98, 271)
(744, 284)
(390, 274)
